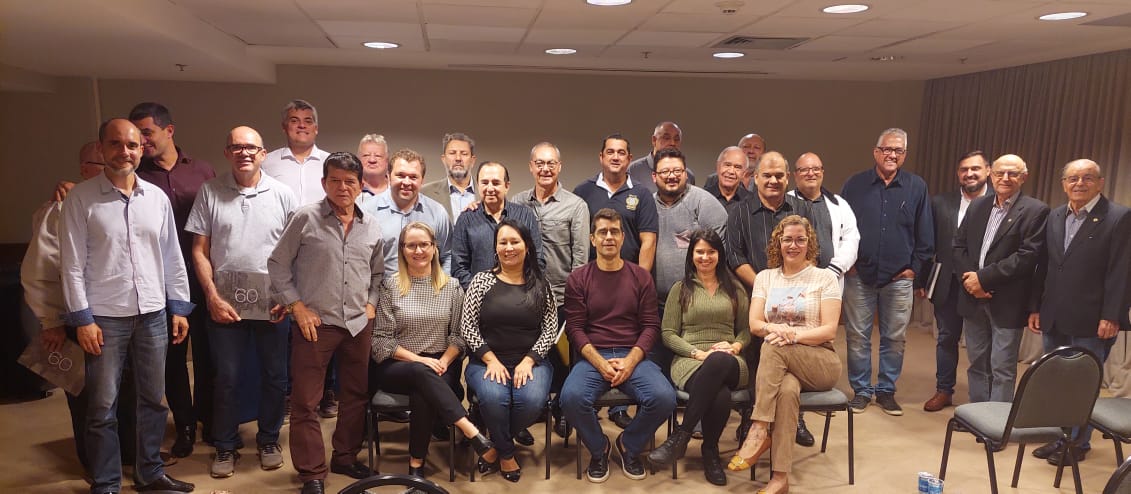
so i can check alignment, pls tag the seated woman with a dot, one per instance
(416, 337)
(795, 307)
(509, 323)
(706, 326)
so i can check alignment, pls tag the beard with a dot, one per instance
(970, 189)
(457, 174)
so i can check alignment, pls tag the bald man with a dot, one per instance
(236, 221)
(665, 135)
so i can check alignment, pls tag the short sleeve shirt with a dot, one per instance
(795, 300)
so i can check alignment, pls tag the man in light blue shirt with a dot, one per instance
(122, 268)
(402, 204)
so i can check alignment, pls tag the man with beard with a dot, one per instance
(455, 191)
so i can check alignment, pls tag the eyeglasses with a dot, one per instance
(813, 170)
(892, 151)
(1075, 179)
(676, 172)
(244, 148)
(795, 240)
(415, 246)
(607, 232)
(1008, 173)
(546, 165)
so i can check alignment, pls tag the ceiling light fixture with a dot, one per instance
(608, 3)
(729, 54)
(848, 8)
(380, 45)
(561, 51)
(1062, 16)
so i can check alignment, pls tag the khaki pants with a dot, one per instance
(783, 373)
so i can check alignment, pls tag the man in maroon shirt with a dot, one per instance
(611, 320)
(180, 176)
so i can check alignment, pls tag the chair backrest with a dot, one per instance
(376, 481)
(1120, 481)
(1058, 390)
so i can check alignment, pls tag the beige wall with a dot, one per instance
(505, 112)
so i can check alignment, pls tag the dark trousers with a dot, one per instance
(949, 324)
(431, 396)
(709, 388)
(178, 391)
(127, 423)
(232, 343)
(309, 360)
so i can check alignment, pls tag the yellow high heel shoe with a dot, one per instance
(738, 463)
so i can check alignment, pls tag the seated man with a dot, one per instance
(611, 319)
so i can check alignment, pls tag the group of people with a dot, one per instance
(348, 274)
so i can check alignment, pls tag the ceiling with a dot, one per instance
(243, 40)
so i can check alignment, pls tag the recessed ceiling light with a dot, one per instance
(1062, 16)
(561, 51)
(380, 45)
(848, 8)
(729, 54)
(608, 3)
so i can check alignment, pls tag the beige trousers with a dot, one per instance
(783, 373)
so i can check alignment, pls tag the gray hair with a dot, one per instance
(300, 104)
(1093, 164)
(457, 136)
(546, 144)
(375, 139)
(745, 159)
(894, 131)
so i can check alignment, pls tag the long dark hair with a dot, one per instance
(727, 280)
(535, 287)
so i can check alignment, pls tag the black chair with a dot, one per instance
(1112, 417)
(384, 402)
(377, 481)
(1120, 481)
(1055, 395)
(740, 398)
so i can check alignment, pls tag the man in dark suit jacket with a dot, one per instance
(996, 250)
(1081, 294)
(949, 209)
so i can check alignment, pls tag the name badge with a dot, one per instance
(249, 293)
(631, 202)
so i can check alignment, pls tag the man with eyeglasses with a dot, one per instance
(1081, 293)
(948, 211)
(299, 163)
(455, 191)
(180, 176)
(564, 220)
(996, 249)
(726, 184)
(665, 135)
(893, 213)
(373, 151)
(236, 220)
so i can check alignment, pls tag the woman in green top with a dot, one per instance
(705, 325)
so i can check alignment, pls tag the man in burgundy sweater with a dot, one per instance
(611, 320)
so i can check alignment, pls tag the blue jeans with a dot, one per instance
(507, 409)
(653, 393)
(949, 324)
(861, 304)
(143, 340)
(992, 351)
(1100, 348)
(230, 343)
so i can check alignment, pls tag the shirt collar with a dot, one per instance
(315, 154)
(605, 185)
(1087, 207)
(327, 210)
(556, 196)
(453, 188)
(1008, 203)
(106, 186)
(260, 187)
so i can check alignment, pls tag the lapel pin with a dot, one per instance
(1095, 220)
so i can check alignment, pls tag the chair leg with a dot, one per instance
(546, 449)
(946, 449)
(578, 445)
(369, 433)
(825, 438)
(1118, 451)
(671, 430)
(990, 464)
(452, 438)
(1076, 474)
(851, 446)
(1064, 453)
(1017, 466)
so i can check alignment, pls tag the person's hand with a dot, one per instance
(308, 321)
(624, 368)
(1035, 322)
(90, 338)
(906, 274)
(62, 189)
(921, 292)
(433, 364)
(496, 373)
(221, 311)
(973, 285)
(180, 329)
(524, 372)
(605, 367)
(1108, 329)
(278, 312)
(724, 346)
(472, 206)
(53, 339)
(370, 312)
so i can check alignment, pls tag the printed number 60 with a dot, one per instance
(246, 296)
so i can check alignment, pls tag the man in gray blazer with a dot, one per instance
(995, 252)
(949, 209)
(1080, 293)
(454, 191)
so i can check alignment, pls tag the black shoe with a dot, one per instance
(481, 444)
(887, 403)
(561, 426)
(621, 418)
(1077, 452)
(166, 483)
(631, 465)
(1048, 450)
(524, 437)
(186, 436)
(487, 467)
(804, 437)
(357, 470)
(713, 467)
(441, 433)
(672, 449)
(398, 417)
(513, 475)
(598, 470)
(313, 487)
(417, 472)
(328, 407)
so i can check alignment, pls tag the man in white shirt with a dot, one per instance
(299, 163)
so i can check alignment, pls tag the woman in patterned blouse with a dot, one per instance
(415, 339)
(795, 307)
(509, 323)
(705, 326)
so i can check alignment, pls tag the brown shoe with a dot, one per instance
(937, 402)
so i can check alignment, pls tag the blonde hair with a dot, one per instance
(773, 250)
(439, 277)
